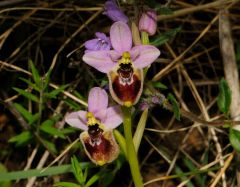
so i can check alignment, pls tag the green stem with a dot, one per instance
(131, 153)
(145, 38)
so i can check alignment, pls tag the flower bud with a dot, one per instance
(148, 22)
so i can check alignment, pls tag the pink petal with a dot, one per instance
(97, 100)
(121, 37)
(114, 117)
(147, 54)
(77, 119)
(100, 60)
(101, 115)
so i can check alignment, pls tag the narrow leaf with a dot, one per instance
(65, 184)
(55, 92)
(48, 127)
(21, 139)
(234, 137)
(27, 94)
(35, 74)
(121, 141)
(175, 106)
(24, 112)
(34, 86)
(140, 129)
(165, 37)
(50, 145)
(92, 180)
(224, 97)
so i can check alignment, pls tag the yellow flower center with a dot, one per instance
(126, 58)
(91, 120)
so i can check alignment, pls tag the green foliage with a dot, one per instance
(224, 97)
(234, 137)
(21, 139)
(54, 170)
(175, 106)
(165, 37)
(26, 94)
(3, 169)
(48, 127)
(81, 175)
(35, 74)
(159, 85)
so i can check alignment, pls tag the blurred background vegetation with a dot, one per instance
(43, 78)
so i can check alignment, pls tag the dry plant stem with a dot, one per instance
(229, 62)
(39, 166)
(194, 9)
(230, 68)
(131, 153)
(51, 84)
(171, 177)
(203, 110)
(223, 169)
(72, 36)
(173, 64)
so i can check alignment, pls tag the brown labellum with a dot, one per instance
(126, 84)
(100, 147)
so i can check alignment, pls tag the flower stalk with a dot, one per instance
(131, 152)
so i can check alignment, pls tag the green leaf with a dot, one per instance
(48, 127)
(159, 85)
(175, 106)
(35, 74)
(234, 137)
(24, 112)
(93, 179)
(4, 183)
(34, 86)
(165, 37)
(140, 129)
(66, 184)
(35, 117)
(55, 92)
(121, 141)
(164, 10)
(224, 97)
(77, 171)
(50, 145)
(22, 138)
(27, 94)
(55, 170)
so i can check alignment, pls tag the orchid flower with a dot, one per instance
(124, 64)
(148, 22)
(97, 124)
(101, 42)
(114, 12)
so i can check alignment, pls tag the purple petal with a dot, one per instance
(97, 100)
(101, 35)
(114, 12)
(101, 115)
(147, 54)
(92, 44)
(77, 119)
(100, 60)
(121, 37)
(114, 117)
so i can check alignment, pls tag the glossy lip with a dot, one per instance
(104, 152)
(113, 75)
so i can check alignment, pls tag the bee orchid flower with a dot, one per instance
(124, 64)
(97, 124)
